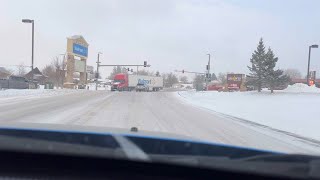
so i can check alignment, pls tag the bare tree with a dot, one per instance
(49, 71)
(21, 70)
(222, 77)
(144, 73)
(293, 73)
(55, 71)
(170, 79)
(184, 79)
(59, 68)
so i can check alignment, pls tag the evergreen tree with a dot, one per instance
(257, 66)
(273, 78)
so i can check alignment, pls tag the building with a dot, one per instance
(38, 77)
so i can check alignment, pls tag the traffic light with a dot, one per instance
(207, 67)
(145, 64)
(183, 71)
(128, 69)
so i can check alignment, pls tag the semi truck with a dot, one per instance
(129, 82)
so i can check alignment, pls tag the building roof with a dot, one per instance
(36, 74)
(79, 37)
(4, 70)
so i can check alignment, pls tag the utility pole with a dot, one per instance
(208, 71)
(97, 75)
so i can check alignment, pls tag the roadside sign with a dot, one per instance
(234, 81)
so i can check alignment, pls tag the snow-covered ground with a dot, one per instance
(295, 109)
(41, 92)
(11, 95)
(92, 86)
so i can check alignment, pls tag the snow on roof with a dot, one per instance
(78, 37)
(75, 37)
(4, 70)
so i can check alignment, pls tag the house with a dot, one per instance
(38, 77)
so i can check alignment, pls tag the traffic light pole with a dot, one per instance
(125, 65)
(97, 75)
(190, 72)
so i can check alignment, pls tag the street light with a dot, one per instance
(32, 52)
(312, 46)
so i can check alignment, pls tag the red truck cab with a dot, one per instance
(120, 82)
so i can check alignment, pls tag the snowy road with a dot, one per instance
(159, 111)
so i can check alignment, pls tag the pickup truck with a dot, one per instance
(14, 82)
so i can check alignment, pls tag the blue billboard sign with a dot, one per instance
(80, 50)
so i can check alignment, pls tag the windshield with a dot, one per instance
(239, 73)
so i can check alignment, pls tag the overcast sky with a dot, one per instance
(175, 34)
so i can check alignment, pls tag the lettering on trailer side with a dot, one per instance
(144, 81)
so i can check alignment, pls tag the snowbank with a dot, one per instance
(33, 93)
(302, 88)
(288, 110)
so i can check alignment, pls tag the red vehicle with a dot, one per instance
(120, 82)
(215, 87)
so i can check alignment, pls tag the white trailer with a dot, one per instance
(154, 83)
